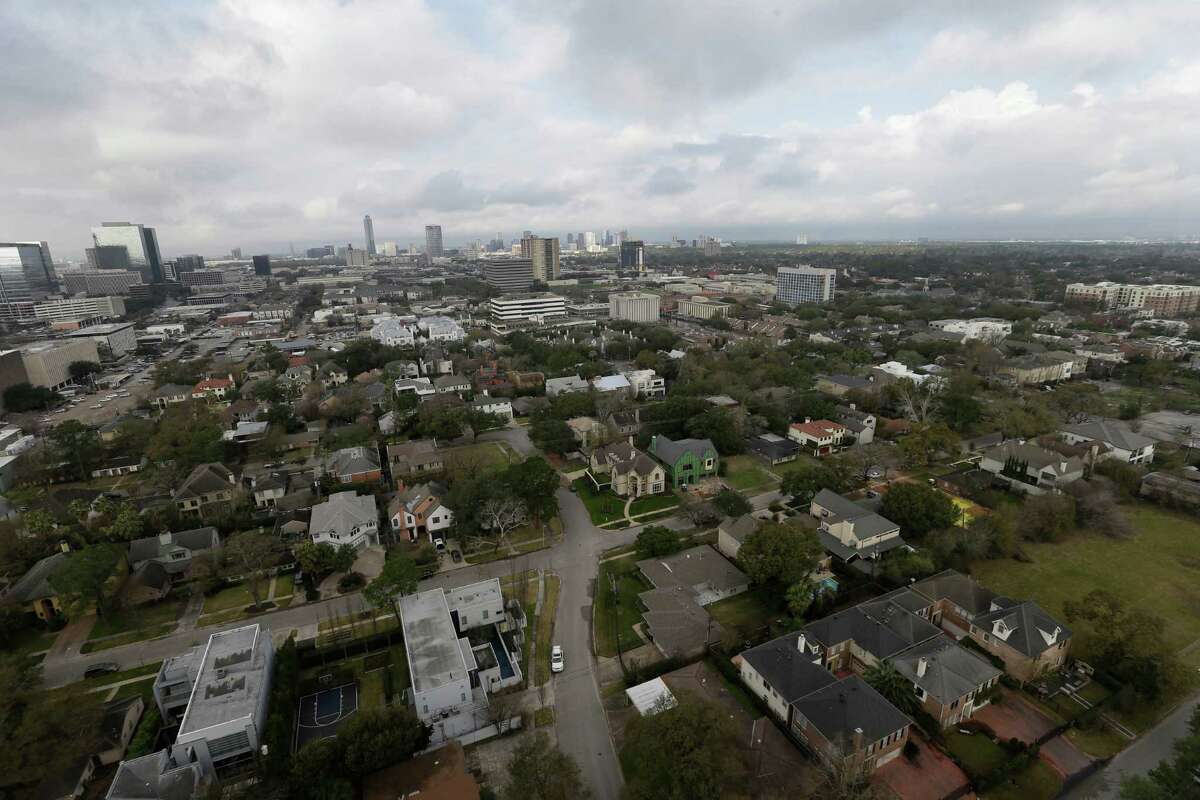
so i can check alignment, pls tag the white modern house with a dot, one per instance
(646, 383)
(1114, 440)
(345, 518)
(393, 332)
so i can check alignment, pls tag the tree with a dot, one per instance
(188, 434)
(689, 751)
(126, 526)
(379, 737)
(77, 444)
(252, 556)
(720, 426)
(897, 689)
(959, 405)
(901, 564)
(534, 482)
(779, 553)
(82, 370)
(1048, 517)
(799, 596)
(502, 514)
(731, 503)
(83, 576)
(916, 399)
(846, 779)
(540, 771)
(1172, 778)
(657, 540)
(318, 773)
(803, 482)
(552, 435)
(918, 509)
(398, 578)
(45, 737)
(21, 397)
(1129, 644)
(920, 445)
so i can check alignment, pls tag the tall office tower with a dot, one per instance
(369, 234)
(262, 265)
(26, 272)
(108, 257)
(802, 239)
(433, 241)
(509, 274)
(141, 243)
(389, 249)
(634, 306)
(579, 240)
(608, 238)
(355, 258)
(188, 263)
(526, 234)
(711, 245)
(236, 252)
(570, 238)
(804, 284)
(543, 253)
(633, 255)
(589, 239)
(622, 237)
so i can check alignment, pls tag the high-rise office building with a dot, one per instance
(319, 252)
(26, 271)
(236, 252)
(570, 238)
(262, 265)
(140, 242)
(589, 239)
(804, 284)
(634, 306)
(433, 241)
(369, 234)
(633, 255)
(543, 253)
(355, 258)
(509, 274)
(188, 263)
(114, 256)
(101, 282)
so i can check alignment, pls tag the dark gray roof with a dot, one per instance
(959, 589)
(789, 672)
(1110, 432)
(154, 777)
(740, 528)
(670, 451)
(1033, 630)
(834, 546)
(154, 547)
(950, 672)
(841, 709)
(849, 381)
(352, 460)
(35, 584)
(866, 522)
(206, 479)
(883, 628)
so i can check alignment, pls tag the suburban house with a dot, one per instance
(498, 406)
(116, 729)
(646, 383)
(860, 424)
(418, 509)
(1030, 469)
(281, 489)
(1116, 440)
(1029, 641)
(587, 431)
(33, 592)
(732, 532)
(462, 645)
(244, 410)
(612, 383)
(571, 383)
(820, 436)
(1049, 367)
(841, 385)
(345, 518)
(170, 394)
(624, 423)
(297, 377)
(121, 465)
(353, 464)
(158, 562)
(331, 374)
(835, 719)
(626, 470)
(208, 488)
(213, 389)
(451, 384)
(772, 448)
(416, 457)
(683, 584)
(686, 460)
(849, 531)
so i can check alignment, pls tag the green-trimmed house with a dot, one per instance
(686, 460)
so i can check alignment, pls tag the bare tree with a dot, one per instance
(917, 400)
(252, 556)
(502, 514)
(847, 779)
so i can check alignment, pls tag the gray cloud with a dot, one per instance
(788, 177)
(668, 181)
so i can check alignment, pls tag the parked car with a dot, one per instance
(439, 545)
(455, 556)
(556, 659)
(101, 668)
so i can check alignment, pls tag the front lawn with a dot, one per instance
(1038, 782)
(137, 618)
(616, 618)
(747, 474)
(978, 754)
(228, 599)
(603, 507)
(489, 455)
(1156, 570)
(747, 611)
(653, 502)
(1103, 742)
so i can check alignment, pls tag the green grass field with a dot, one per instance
(229, 598)
(1038, 782)
(603, 507)
(746, 611)
(487, 454)
(626, 609)
(978, 754)
(747, 474)
(653, 502)
(137, 618)
(1158, 571)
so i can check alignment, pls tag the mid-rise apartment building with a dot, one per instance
(634, 306)
(77, 308)
(509, 275)
(521, 307)
(700, 307)
(804, 284)
(1164, 299)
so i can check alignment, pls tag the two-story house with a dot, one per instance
(1113, 440)
(345, 518)
(419, 509)
(353, 464)
(626, 470)
(213, 389)
(646, 383)
(858, 423)
(1029, 468)
(415, 458)
(158, 562)
(849, 531)
(820, 437)
(686, 461)
(207, 488)
(170, 394)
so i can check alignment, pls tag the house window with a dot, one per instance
(708, 463)
(485, 613)
(464, 697)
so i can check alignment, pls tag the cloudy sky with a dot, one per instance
(256, 123)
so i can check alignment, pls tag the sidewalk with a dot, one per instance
(72, 637)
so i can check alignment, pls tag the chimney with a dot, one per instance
(801, 643)
(858, 740)
(164, 537)
(922, 665)
(807, 420)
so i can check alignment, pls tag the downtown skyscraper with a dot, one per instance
(140, 242)
(433, 241)
(369, 234)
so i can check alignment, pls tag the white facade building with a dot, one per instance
(393, 333)
(646, 383)
(74, 308)
(634, 306)
(527, 307)
(345, 518)
(985, 329)
(804, 284)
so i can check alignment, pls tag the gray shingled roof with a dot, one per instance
(670, 451)
(206, 479)
(1110, 432)
(1033, 630)
(789, 672)
(35, 583)
(841, 709)
(959, 589)
(950, 671)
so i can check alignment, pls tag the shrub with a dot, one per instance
(911, 751)
(351, 581)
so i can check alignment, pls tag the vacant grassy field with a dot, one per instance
(486, 454)
(746, 611)
(747, 474)
(1158, 571)
(229, 598)
(625, 609)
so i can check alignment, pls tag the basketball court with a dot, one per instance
(321, 714)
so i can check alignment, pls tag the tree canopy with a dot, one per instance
(779, 553)
(540, 771)
(918, 509)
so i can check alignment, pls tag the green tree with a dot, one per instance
(46, 736)
(77, 444)
(959, 404)
(82, 370)
(805, 480)
(780, 554)
(1129, 643)
(126, 526)
(82, 578)
(379, 737)
(552, 435)
(799, 597)
(534, 482)
(682, 753)
(657, 540)
(718, 425)
(918, 509)
(318, 773)
(731, 503)
(1048, 517)
(188, 434)
(399, 577)
(253, 556)
(21, 397)
(897, 689)
(540, 771)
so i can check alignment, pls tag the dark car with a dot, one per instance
(101, 668)
(455, 556)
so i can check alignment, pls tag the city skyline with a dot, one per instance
(1048, 120)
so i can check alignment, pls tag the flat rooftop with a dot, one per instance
(233, 676)
(101, 330)
(484, 591)
(434, 656)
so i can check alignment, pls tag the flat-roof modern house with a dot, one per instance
(461, 644)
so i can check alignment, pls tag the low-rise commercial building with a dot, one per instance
(115, 338)
(47, 363)
(634, 306)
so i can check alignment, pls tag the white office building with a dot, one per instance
(633, 306)
(804, 284)
(79, 308)
(527, 307)
(47, 363)
(986, 329)
(115, 338)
